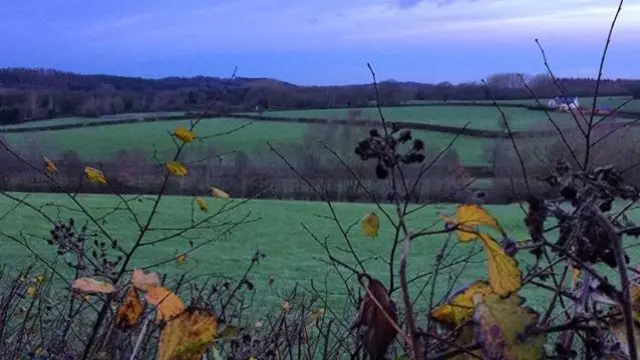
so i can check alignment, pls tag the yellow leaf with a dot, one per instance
(187, 336)
(89, 285)
(130, 311)
(177, 169)
(40, 279)
(575, 272)
(50, 166)
(181, 258)
(503, 327)
(184, 135)
(32, 291)
(143, 281)
(459, 308)
(505, 276)
(167, 303)
(371, 224)
(469, 216)
(94, 175)
(215, 192)
(202, 205)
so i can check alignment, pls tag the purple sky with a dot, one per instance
(319, 41)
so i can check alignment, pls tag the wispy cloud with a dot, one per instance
(78, 31)
(306, 24)
(406, 4)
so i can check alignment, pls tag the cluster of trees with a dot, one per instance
(242, 174)
(29, 94)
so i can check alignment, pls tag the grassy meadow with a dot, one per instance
(228, 135)
(249, 136)
(274, 227)
(478, 117)
(72, 120)
(102, 142)
(611, 101)
(285, 231)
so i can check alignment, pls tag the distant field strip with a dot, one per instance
(428, 126)
(104, 119)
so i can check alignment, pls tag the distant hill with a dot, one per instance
(26, 78)
(28, 94)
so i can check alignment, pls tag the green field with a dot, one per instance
(611, 101)
(100, 143)
(276, 229)
(87, 120)
(478, 117)
(291, 253)
(96, 143)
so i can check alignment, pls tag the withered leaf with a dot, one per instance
(377, 331)
(534, 221)
(143, 281)
(506, 330)
(129, 312)
(89, 285)
(187, 336)
(168, 304)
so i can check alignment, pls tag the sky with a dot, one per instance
(320, 42)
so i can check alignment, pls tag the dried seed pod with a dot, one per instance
(404, 136)
(381, 172)
(418, 145)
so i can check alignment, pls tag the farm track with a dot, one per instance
(471, 132)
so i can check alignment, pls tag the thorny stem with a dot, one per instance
(416, 348)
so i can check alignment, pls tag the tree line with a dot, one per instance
(32, 94)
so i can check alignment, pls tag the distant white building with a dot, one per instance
(562, 103)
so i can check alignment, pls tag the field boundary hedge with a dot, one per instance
(270, 182)
(479, 133)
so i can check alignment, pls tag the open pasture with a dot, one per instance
(275, 228)
(478, 117)
(98, 143)
(611, 101)
(251, 136)
(86, 120)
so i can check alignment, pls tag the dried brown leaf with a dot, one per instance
(143, 281)
(378, 332)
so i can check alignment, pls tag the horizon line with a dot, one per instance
(57, 70)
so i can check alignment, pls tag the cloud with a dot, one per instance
(496, 21)
(407, 4)
(165, 28)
